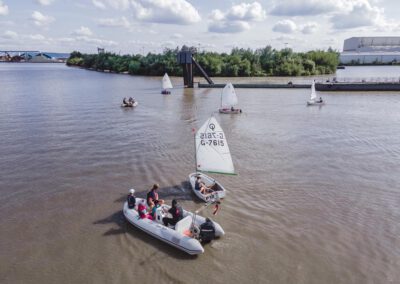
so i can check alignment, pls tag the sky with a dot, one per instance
(142, 26)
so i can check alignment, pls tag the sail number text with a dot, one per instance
(212, 139)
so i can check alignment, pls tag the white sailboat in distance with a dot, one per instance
(166, 85)
(313, 97)
(229, 100)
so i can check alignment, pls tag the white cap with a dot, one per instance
(131, 191)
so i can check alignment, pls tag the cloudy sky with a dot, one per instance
(141, 26)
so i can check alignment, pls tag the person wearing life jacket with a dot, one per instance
(177, 214)
(143, 211)
(200, 186)
(131, 199)
(207, 231)
(154, 209)
(152, 195)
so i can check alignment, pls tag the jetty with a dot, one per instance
(319, 86)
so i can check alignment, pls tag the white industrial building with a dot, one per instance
(368, 50)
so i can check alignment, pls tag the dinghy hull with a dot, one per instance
(209, 182)
(130, 105)
(229, 111)
(312, 103)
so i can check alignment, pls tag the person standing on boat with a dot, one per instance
(131, 199)
(152, 195)
(177, 214)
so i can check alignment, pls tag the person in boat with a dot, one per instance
(124, 101)
(232, 108)
(177, 214)
(154, 209)
(320, 100)
(142, 210)
(152, 195)
(200, 186)
(131, 199)
(131, 101)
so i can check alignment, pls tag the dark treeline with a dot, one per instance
(240, 62)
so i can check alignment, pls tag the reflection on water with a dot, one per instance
(316, 199)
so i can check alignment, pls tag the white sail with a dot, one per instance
(228, 96)
(313, 93)
(212, 151)
(166, 82)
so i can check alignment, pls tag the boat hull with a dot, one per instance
(130, 105)
(221, 192)
(156, 228)
(229, 111)
(312, 103)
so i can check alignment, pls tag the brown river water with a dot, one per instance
(316, 198)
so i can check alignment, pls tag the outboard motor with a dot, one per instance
(207, 231)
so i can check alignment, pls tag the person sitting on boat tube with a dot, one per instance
(152, 195)
(176, 212)
(200, 186)
(143, 211)
(131, 199)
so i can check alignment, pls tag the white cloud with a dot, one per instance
(3, 9)
(96, 41)
(110, 22)
(305, 7)
(44, 2)
(285, 26)
(309, 28)
(10, 35)
(237, 19)
(37, 37)
(246, 12)
(41, 20)
(115, 4)
(229, 27)
(165, 11)
(362, 14)
(83, 31)
(177, 35)
(99, 4)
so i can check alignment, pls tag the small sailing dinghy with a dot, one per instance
(313, 98)
(187, 235)
(166, 85)
(229, 100)
(212, 155)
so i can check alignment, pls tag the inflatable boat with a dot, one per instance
(186, 235)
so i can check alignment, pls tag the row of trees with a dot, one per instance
(240, 62)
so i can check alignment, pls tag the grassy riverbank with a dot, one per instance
(239, 62)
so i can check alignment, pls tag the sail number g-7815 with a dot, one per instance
(212, 139)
